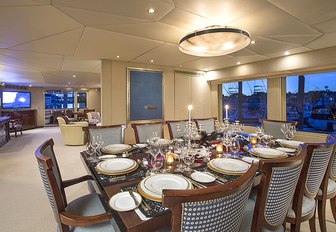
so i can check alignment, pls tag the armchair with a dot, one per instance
(72, 132)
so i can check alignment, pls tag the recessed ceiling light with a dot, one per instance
(30, 85)
(118, 57)
(66, 85)
(73, 75)
(180, 66)
(151, 11)
(238, 63)
(69, 83)
(252, 42)
(152, 61)
(286, 53)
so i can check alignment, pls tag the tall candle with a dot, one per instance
(226, 111)
(189, 112)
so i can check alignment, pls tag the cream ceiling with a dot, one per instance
(46, 42)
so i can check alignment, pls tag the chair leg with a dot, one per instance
(295, 227)
(321, 214)
(15, 133)
(312, 223)
(333, 207)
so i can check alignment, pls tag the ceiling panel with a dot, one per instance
(326, 40)
(326, 26)
(79, 65)
(294, 39)
(62, 44)
(267, 46)
(172, 56)
(129, 8)
(23, 2)
(17, 76)
(157, 31)
(31, 23)
(90, 18)
(309, 11)
(101, 44)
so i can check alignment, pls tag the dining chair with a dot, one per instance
(314, 168)
(110, 134)
(217, 208)
(144, 131)
(273, 127)
(173, 132)
(208, 124)
(266, 210)
(327, 191)
(86, 213)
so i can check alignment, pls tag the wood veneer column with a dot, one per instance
(106, 92)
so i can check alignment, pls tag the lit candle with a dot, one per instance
(219, 148)
(189, 112)
(253, 141)
(226, 111)
(170, 158)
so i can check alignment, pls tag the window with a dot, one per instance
(81, 100)
(59, 99)
(311, 101)
(247, 100)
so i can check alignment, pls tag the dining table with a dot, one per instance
(158, 218)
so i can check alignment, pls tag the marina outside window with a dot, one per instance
(59, 99)
(311, 101)
(81, 100)
(247, 100)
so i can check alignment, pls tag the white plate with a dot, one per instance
(116, 148)
(230, 165)
(286, 149)
(249, 159)
(116, 165)
(164, 142)
(202, 177)
(106, 157)
(157, 183)
(289, 143)
(141, 145)
(266, 152)
(123, 201)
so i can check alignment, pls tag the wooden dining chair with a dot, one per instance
(217, 208)
(86, 213)
(327, 191)
(267, 209)
(208, 124)
(173, 133)
(144, 131)
(273, 127)
(314, 168)
(111, 134)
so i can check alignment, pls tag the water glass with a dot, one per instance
(235, 147)
(188, 159)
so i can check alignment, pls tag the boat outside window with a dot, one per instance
(247, 100)
(311, 101)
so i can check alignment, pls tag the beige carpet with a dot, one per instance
(23, 201)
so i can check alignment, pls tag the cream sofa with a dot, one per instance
(72, 132)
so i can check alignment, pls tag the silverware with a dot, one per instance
(218, 178)
(137, 203)
(144, 205)
(195, 183)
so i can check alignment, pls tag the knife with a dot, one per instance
(137, 203)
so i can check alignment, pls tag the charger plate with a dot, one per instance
(116, 148)
(267, 153)
(118, 166)
(228, 166)
(289, 143)
(151, 187)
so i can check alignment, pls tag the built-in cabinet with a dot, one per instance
(4, 130)
(27, 118)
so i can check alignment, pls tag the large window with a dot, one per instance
(311, 101)
(81, 100)
(59, 99)
(247, 100)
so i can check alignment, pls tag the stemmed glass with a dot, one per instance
(89, 151)
(235, 147)
(154, 151)
(178, 146)
(188, 158)
(226, 143)
(284, 129)
(290, 133)
(96, 144)
(266, 139)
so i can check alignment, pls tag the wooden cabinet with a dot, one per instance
(27, 118)
(4, 130)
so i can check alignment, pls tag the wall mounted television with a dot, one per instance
(15, 99)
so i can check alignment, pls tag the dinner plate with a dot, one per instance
(141, 145)
(202, 177)
(105, 157)
(116, 148)
(289, 143)
(228, 166)
(286, 149)
(164, 142)
(151, 187)
(268, 153)
(116, 166)
(123, 201)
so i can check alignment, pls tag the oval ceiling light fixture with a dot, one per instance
(214, 41)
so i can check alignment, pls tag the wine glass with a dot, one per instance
(226, 143)
(157, 162)
(235, 147)
(290, 133)
(266, 139)
(89, 151)
(178, 146)
(284, 129)
(188, 158)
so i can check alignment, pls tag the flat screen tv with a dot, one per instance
(12, 99)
